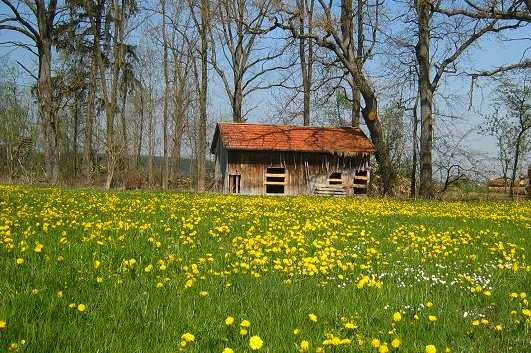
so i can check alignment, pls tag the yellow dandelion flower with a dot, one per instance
(81, 307)
(312, 317)
(203, 293)
(243, 331)
(350, 326)
(229, 320)
(297, 331)
(514, 295)
(498, 328)
(255, 342)
(395, 343)
(188, 337)
(304, 346)
(3, 324)
(430, 348)
(245, 323)
(429, 304)
(227, 350)
(432, 318)
(383, 348)
(60, 294)
(475, 323)
(375, 343)
(20, 261)
(526, 312)
(397, 316)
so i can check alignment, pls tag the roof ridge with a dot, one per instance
(291, 126)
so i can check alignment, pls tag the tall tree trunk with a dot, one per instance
(125, 162)
(140, 131)
(413, 192)
(515, 163)
(165, 164)
(151, 144)
(89, 120)
(426, 90)
(76, 132)
(370, 111)
(356, 104)
(306, 60)
(179, 79)
(237, 101)
(356, 94)
(47, 111)
(201, 153)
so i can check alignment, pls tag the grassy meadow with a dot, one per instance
(93, 271)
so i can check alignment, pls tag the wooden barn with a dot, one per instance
(256, 159)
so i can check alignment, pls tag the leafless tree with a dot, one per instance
(201, 16)
(334, 34)
(246, 58)
(503, 11)
(512, 128)
(36, 21)
(469, 33)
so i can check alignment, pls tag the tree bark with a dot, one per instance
(201, 153)
(413, 192)
(89, 121)
(426, 90)
(46, 102)
(356, 95)
(165, 166)
(306, 60)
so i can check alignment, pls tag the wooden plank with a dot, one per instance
(360, 177)
(272, 175)
(275, 183)
(360, 186)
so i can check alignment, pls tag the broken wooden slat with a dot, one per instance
(275, 183)
(273, 175)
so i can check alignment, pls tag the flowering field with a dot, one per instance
(94, 271)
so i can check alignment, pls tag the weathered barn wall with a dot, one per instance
(303, 172)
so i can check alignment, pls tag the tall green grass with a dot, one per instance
(200, 258)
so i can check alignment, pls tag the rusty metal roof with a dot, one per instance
(244, 136)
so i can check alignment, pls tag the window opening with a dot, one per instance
(275, 180)
(234, 183)
(335, 179)
(360, 182)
